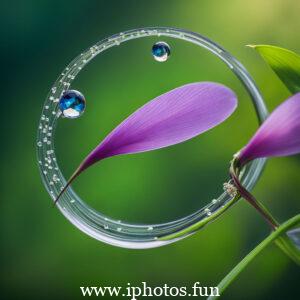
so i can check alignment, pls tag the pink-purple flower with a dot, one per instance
(279, 135)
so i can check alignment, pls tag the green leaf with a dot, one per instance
(285, 63)
(274, 236)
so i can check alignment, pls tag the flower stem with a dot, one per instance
(232, 275)
(283, 242)
(234, 173)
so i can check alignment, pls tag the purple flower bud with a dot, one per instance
(279, 135)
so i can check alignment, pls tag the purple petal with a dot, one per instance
(279, 135)
(171, 118)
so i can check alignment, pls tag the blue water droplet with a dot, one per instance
(72, 104)
(161, 51)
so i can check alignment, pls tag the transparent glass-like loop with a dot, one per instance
(93, 222)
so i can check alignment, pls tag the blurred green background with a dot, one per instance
(42, 254)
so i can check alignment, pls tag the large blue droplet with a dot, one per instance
(72, 104)
(161, 51)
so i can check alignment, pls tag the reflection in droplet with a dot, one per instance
(161, 51)
(72, 104)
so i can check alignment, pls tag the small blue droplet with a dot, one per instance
(161, 51)
(72, 104)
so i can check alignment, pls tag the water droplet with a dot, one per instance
(39, 144)
(55, 178)
(207, 211)
(72, 104)
(161, 51)
(214, 201)
(150, 228)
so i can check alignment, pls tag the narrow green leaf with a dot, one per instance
(233, 274)
(285, 63)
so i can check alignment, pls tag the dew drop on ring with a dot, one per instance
(161, 51)
(72, 104)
